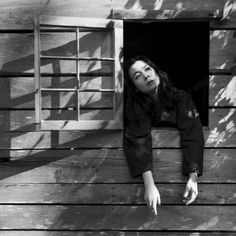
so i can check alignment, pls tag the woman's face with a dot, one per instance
(144, 77)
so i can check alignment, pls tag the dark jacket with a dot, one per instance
(183, 115)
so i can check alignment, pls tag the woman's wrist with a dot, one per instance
(193, 176)
(148, 178)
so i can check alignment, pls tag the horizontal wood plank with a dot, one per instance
(110, 166)
(165, 14)
(105, 217)
(111, 194)
(220, 119)
(60, 139)
(224, 136)
(108, 233)
(169, 4)
(222, 49)
(222, 90)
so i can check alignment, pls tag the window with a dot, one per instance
(181, 48)
(78, 83)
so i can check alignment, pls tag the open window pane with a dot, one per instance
(58, 44)
(103, 100)
(59, 114)
(66, 82)
(78, 73)
(96, 114)
(55, 100)
(96, 82)
(57, 66)
(96, 44)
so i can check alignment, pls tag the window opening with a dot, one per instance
(179, 48)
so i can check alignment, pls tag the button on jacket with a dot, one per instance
(183, 115)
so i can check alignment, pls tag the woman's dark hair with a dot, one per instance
(138, 103)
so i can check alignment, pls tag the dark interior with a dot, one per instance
(179, 48)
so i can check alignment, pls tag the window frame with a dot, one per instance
(116, 26)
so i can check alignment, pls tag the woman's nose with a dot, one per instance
(146, 75)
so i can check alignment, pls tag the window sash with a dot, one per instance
(116, 27)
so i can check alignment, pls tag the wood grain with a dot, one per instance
(109, 233)
(165, 14)
(105, 217)
(110, 166)
(12, 11)
(164, 138)
(111, 194)
(222, 49)
(220, 119)
(222, 90)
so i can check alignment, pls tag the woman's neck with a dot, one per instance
(153, 94)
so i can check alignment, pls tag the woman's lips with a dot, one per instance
(149, 83)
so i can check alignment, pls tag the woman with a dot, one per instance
(151, 100)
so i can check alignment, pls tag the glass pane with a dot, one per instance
(59, 114)
(95, 67)
(96, 44)
(58, 66)
(52, 100)
(96, 82)
(96, 114)
(68, 82)
(96, 99)
(58, 44)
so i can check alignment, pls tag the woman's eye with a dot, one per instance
(137, 76)
(147, 68)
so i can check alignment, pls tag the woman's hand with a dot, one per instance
(151, 196)
(191, 190)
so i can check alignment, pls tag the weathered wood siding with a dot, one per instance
(78, 183)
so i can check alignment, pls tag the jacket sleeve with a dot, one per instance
(138, 146)
(191, 133)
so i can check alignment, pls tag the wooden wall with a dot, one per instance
(78, 183)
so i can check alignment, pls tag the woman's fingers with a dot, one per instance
(192, 199)
(158, 199)
(154, 206)
(186, 191)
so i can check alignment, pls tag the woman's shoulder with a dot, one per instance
(178, 94)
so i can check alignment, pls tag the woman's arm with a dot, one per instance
(152, 195)
(191, 134)
(138, 152)
(192, 142)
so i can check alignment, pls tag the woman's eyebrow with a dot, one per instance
(136, 72)
(139, 71)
